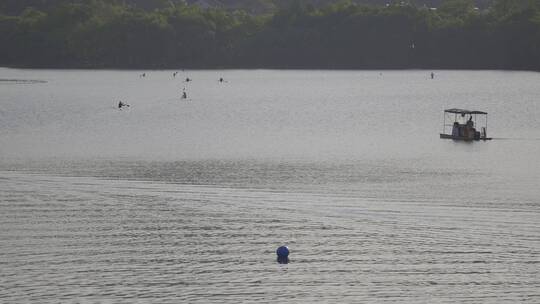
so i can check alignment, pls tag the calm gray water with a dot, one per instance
(185, 201)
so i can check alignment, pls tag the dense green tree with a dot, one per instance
(144, 33)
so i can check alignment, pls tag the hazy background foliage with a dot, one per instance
(501, 34)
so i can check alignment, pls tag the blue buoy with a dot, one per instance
(283, 251)
(283, 255)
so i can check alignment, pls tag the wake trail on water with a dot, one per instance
(516, 138)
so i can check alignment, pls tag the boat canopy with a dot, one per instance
(462, 111)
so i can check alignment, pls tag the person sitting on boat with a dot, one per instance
(470, 131)
(455, 129)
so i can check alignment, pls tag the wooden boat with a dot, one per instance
(464, 125)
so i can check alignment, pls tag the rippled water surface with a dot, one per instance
(185, 201)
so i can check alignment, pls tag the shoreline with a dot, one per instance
(240, 68)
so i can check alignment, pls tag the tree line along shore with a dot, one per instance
(343, 35)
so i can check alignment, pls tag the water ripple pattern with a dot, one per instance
(70, 239)
(177, 200)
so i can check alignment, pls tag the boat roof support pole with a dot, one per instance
(444, 123)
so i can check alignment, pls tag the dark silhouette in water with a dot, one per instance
(188, 79)
(184, 94)
(121, 105)
(283, 260)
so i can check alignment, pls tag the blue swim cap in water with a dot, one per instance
(283, 251)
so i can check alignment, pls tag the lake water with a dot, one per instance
(185, 201)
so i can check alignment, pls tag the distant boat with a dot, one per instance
(464, 125)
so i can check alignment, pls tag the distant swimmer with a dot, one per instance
(432, 75)
(121, 105)
(184, 94)
(221, 79)
(188, 79)
(143, 75)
